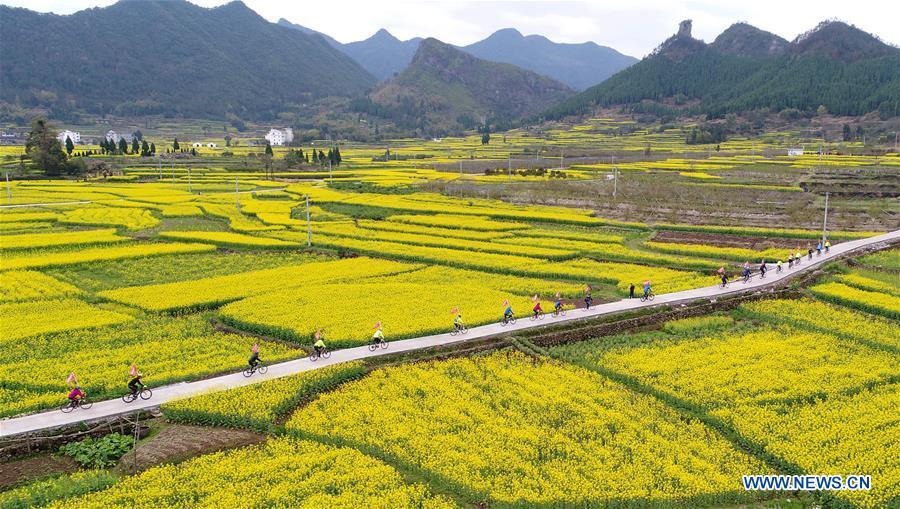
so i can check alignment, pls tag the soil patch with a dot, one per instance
(178, 442)
(727, 240)
(24, 470)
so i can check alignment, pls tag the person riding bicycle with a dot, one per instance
(588, 300)
(724, 280)
(254, 360)
(557, 304)
(819, 249)
(508, 312)
(457, 322)
(827, 245)
(778, 266)
(809, 251)
(76, 394)
(745, 273)
(136, 385)
(646, 288)
(762, 268)
(537, 309)
(790, 260)
(378, 337)
(319, 346)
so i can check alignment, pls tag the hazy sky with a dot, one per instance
(633, 27)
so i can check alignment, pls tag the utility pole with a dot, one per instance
(825, 221)
(8, 189)
(509, 167)
(308, 225)
(237, 197)
(189, 180)
(159, 167)
(615, 182)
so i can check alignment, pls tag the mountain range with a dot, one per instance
(835, 65)
(577, 65)
(167, 57)
(446, 87)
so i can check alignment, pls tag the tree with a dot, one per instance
(123, 146)
(152, 148)
(69, 146)
(848, 134)
(227, 140)
(175, 146)
(269, 151)
(145, 149)
(137, 135)
(485, 138)
(44, 150)
(337, 156)
(135, 145)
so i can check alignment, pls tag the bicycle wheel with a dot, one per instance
(67, 407)
(146, 394)
(313, 357)
(454, 331)
(248, 372)
(326, 354)
(373, 347)
(383, 345)
(262, 370)
(464, 329)
(651, 296)
(86, 404)
(128, 398)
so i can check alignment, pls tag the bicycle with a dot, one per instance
(588, 302)
(537, 315)
(648, 296)
(559, 312)
(459, 329)
(762, 274)
(316, 355)
(508, 320)
(745, 278)
(257, 368)
(72, 404)
(144, 394)
(374, 346)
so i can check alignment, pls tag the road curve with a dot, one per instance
(110, 408)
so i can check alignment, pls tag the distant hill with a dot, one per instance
(450, 87)
(577, 65)
(167, 57)
(333, 42)
(383, 55)
(847, 70)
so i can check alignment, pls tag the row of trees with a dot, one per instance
(298, 157)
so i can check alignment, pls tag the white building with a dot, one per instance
(111, 136)
(280, 136)
(197, 144)
(212, 145)
(72, 135)
(795, 152)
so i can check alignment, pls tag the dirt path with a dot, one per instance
(178, 442)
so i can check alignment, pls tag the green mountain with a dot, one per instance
(847, 70)
(444, 86)
(383, 55)
(167, 57)
(576, 65)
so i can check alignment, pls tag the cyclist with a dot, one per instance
(778, 267)
(809, 251)
(746, 272)
(378, 337)
(631, 291)
(798, 257)
(762, 268)
(557, 305)
(508, 312)
(537, 309)
(136, 385)
(827, 245)
(790, 260)
(724, 279)
(75, 394)
(457, 322)
(819, 248)
(254, 360)
(319, 345)
(588, 300)
(646, 288)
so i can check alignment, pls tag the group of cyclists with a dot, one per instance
(792, 260)
(136, 387)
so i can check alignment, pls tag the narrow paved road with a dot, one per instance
(109, 408)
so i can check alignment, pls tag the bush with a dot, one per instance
(100, 453)
(40, 493)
